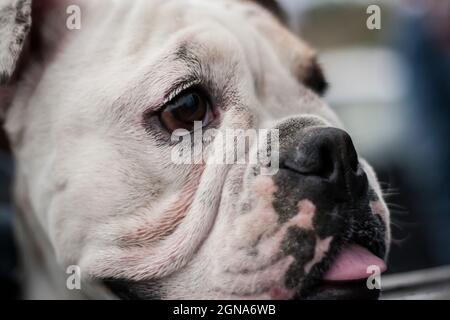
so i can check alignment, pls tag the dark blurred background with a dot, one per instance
(391, 88)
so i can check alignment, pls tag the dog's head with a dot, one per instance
(97, 115)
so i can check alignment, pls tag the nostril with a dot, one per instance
(349, 155)
(314, 157)
(354, 163)
(311, 161)
(326, 163)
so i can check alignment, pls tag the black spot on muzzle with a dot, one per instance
(300, 244)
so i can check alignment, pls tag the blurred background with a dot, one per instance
(391, 87)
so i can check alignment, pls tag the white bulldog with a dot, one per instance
(90, 114)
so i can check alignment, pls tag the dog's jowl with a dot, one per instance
(91, 112)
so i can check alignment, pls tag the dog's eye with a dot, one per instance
(182, 111)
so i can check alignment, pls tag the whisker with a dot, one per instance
(395, 205)
(390, 193)
(399, 242)
(397, 212)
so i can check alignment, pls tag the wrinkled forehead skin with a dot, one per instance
(104, 188)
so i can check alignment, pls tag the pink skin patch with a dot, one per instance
(264, 186)
(306, 211)
(322, 247)
(281, 293)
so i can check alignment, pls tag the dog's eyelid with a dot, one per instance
(315, 78)
(178, 88)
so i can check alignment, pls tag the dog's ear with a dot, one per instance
(15, 25)
(29, 31)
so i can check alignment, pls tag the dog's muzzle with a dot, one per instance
(320, 167)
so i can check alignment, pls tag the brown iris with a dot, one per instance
(182, 111)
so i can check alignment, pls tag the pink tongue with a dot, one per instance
(352, 263)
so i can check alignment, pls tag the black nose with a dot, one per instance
(327, 154)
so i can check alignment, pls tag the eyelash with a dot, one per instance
(184, 86)
(172, 94)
